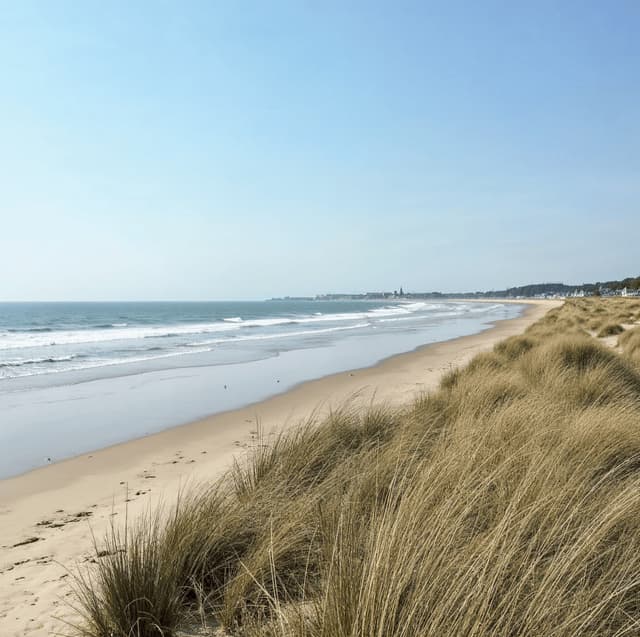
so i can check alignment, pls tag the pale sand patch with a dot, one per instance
(61, 505)
(612, 341)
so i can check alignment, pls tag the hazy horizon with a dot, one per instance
(292, 296)
(214, 151)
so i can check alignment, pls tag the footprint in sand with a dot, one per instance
(29, 540)
(79, 516)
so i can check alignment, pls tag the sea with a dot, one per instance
(80, 376)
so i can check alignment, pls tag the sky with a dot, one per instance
(242, 150)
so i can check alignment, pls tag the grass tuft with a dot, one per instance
(610, 329)
(630, 344)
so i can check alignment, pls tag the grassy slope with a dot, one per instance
(507, 503)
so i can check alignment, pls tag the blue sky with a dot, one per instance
(203, 150)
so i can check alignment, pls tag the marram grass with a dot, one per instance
(507, 503)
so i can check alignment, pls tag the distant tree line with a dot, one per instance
(631, 283)
(535, 289)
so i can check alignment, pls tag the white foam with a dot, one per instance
(268, 322)
(266, 337)
(199, 348)
(318, 317)
(79, 346)
(482, 307)
(102, 363)
(19, 362)
(72, 337)
(123, 332)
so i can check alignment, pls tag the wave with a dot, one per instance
(265, 337)
(86, 336)
(112, 332)
(104, 363)
(104, 326)
(266, 322)
(39, 361)
(405, 308)
(120, 343)
(481, 308)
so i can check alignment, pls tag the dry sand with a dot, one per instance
(49, 516)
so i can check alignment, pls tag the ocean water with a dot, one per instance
(49, 338)
(79, 376)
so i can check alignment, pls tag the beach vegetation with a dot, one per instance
(610, 329)
(629, 343)
(505, 503)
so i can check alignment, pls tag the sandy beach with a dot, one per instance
(50, 515)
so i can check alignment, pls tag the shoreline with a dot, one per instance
(369, 370)
(79, 496)
(93, 452)
(56, 416)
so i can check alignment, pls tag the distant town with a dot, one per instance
(625, 287)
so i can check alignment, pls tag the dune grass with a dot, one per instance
(629, 342)
(610, 329)
(505, 503)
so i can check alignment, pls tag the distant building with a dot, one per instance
(377, 295)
